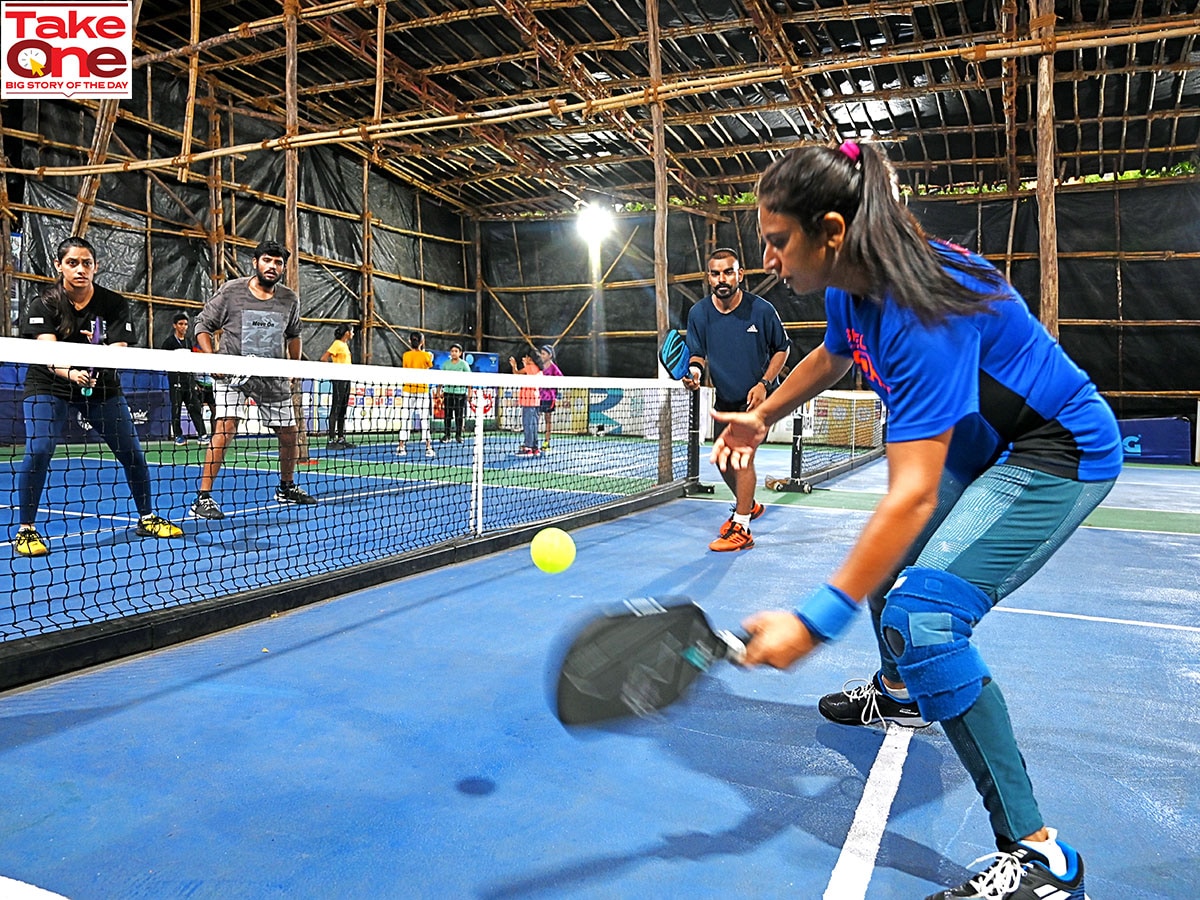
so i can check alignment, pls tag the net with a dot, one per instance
(833, 433)
(377, 474)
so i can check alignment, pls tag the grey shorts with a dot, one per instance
(272, 397)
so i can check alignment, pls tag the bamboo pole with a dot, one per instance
(106, 117)
(233, 226)
(189, 110)
(661, 199)
(380, 80)
(662, 300)
(478, 247)
(291, 219)
(366, 310)
(216, 209)
(148, 238)
(1047, 215)
(420, 268)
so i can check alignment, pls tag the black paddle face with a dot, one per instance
(635, 660)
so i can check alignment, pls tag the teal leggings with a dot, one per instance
(996, 532)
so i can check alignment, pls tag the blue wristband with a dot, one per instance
(827, 612)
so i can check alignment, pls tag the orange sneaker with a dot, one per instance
(758, 510)
(733, 537)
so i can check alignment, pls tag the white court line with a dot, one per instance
(1134, 622)
(11, 889)
(856, 863)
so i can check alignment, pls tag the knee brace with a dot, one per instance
(927, 623)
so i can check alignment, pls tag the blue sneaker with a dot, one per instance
(1021, 873)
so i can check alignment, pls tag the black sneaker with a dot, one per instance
(289, 493)
(1021, 873)
(206, 508)
(867, 703)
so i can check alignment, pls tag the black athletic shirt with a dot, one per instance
(44, 317)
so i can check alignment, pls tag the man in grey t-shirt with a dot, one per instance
(256, 316)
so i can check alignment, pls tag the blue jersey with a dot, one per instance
(737, 346)
(997, 376)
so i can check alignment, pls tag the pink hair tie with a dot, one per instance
(851, 150)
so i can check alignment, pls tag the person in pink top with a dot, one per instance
(548, 397)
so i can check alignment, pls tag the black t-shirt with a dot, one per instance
(178, 379)
(45, 317)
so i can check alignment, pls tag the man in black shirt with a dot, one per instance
(183, 385)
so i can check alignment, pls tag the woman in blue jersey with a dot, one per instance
(998, 447)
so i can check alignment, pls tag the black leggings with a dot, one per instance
(337, 409)
(454, 405)
(185, 394)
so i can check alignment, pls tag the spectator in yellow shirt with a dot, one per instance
(339, 352)
(416, 411)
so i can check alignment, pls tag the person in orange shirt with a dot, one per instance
(414, 398)
(529, 399)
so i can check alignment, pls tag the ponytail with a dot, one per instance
(883, 239)
(56, 297)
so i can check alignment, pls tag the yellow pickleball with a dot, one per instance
(552, 550)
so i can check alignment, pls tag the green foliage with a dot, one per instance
(747, 198)
(1179, 170)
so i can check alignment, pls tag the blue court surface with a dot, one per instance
(398, 742)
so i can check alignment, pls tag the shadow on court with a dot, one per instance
(808, 776)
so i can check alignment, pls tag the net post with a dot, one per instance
(477, 463)
(666, 432)
(693, 452)
(797, 447)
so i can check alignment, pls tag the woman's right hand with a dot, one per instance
(81, 377)
(734, 447)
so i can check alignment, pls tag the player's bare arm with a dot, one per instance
(779, 638)
(758, 393)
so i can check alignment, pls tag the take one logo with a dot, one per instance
(78, 49)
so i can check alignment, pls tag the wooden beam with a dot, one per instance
(189, 110)
(366, 309)
(291, 216)
(1043, 19)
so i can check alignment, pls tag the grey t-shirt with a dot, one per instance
(252, 327)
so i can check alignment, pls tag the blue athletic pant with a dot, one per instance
(995, 532)
(529, 425)
(45, 420)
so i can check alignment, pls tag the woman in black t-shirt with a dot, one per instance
(69, 311)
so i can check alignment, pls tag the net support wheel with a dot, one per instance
(789, 485)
